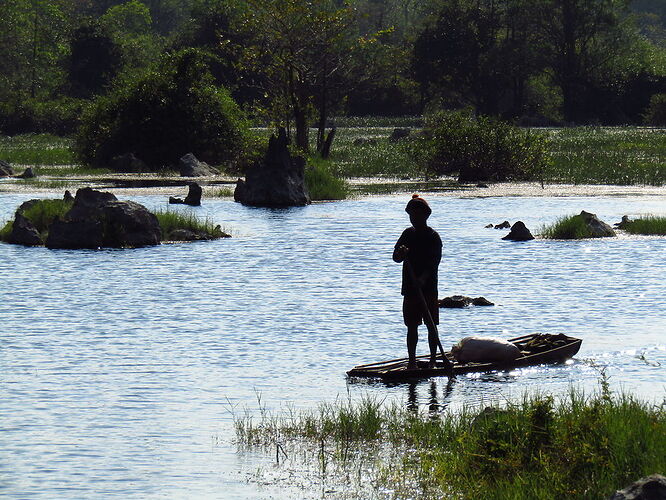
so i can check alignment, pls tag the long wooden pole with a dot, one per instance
(427, 317)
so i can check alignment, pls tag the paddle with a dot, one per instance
(427, 317)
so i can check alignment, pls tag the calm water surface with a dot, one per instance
(120, 369)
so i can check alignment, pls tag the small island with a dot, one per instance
(95, 219)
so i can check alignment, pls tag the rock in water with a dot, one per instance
(28, 173)
(648, 488)
(98, 219)
(276, 181)
(23, 232)
(190, 166)
(399, 134)
(519, 232)
(597, 227)
(193, 197)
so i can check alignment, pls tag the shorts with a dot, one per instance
(412, 309)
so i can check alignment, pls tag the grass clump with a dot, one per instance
(321, 183)
(651, 225)
(170, 221)
(41, 213)
(571, 227)
(583, 447)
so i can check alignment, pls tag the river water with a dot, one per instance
(120, 370)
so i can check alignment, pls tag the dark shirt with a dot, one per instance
(425, 252)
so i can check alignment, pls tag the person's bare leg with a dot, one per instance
(412, 340)
(432, 343)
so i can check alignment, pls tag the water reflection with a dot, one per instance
(434, 403)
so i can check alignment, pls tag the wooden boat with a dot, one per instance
(536, 349)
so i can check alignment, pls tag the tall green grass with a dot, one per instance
(171, 220)
(571, 227)
(41, 213)
(596, 155)
(585, 446)
(321, 183)
(36, 149)
(651, 225)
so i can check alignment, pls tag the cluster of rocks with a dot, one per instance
(278, 180)
(188, 165)
(98, 219)
(6, 170)
(461, 301)
(596, 227)
(193, 197)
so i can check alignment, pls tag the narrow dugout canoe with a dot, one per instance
(536, 349)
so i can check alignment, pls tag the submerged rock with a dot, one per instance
(519, 232)
(503, 225)
(276, 181)
(648, 488)
(461, 301)
(624, 223)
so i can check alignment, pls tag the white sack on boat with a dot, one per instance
(484, 349)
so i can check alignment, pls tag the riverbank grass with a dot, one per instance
(321, 183)
(582, 447)
(651, 225)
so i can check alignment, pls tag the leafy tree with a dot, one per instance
(172, 110)
(93, 62)
(583, 40)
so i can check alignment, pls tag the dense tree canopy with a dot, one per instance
(299, 63)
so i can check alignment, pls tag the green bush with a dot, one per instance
(656, 112)
(481, 148)
(160, 116)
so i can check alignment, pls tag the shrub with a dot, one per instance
(164, 114)
(656, 112)
(482, 148)
(572, 227)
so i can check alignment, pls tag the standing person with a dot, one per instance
(420, 247)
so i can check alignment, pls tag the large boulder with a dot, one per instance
(6, 169)
(276, 181)
(648, 488)
(128, 163)
(597, 227)
(190, 166)
(98, 219)
(23, 232)
(519, 232)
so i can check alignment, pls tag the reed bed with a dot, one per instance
(584, 446)
(571, 227)
(651, 225)
(171, 220)
(36, 149)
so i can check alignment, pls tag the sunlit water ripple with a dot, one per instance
(120, 369)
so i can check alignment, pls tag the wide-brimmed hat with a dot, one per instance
(418, 204)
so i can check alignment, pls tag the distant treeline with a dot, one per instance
(300, 63)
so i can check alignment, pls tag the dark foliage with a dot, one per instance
(171, 111)
(481, 149)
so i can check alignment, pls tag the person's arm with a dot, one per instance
(400, 251)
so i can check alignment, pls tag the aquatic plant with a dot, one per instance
(171, 220)
(651, 225)
(582, 446)
(321, 183)
(571, 227)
